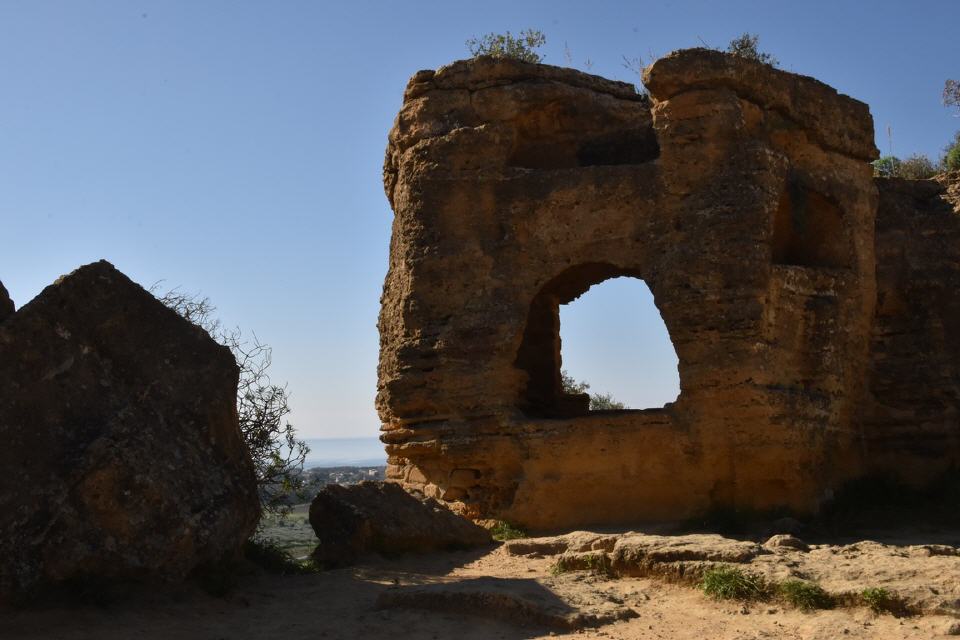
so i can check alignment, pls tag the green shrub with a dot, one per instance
(805, 595)
(882, 601)
(503, 531)
(506, 45)
(951, 159)
(732, 583)
(886, 167)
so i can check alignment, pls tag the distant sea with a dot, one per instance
(345, 452)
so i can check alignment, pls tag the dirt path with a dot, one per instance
(347, 604)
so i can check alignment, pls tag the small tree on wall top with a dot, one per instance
(747, 46)
(505, 45)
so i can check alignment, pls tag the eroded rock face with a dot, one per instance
(912, 411)
(121, 454)
(742, 195)
(382, 517)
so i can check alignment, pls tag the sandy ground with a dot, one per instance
(347, 603)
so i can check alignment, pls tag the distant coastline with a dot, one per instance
(345, 452)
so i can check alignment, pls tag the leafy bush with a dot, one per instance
(747, 46)
(878, 599)
(262, 406)
(951, 158)
(506, 45)
(805, 595)
(917, 167)
(886, 167)
(505, 531)
(951, 161)
(732, 583)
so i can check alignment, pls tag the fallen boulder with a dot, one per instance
(382, 517)
(122, 456)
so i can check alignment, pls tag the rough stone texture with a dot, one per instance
(573, 542)
(121, 455)
(912, 413)
(813, 309)
(740, 194)
(786, 541)
(382, 517)
(6, 304)
(926, 577)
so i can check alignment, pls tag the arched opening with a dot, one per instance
(617, 342)
(614, 339)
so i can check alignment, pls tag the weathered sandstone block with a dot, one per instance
(121, 454)
(730, 192)
(911, 424)
(743, 196)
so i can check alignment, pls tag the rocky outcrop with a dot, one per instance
(742, 195)
(6, 304)
(121, 456)
(904, 570)
(383, 518)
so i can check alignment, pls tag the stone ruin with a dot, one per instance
(813, 308)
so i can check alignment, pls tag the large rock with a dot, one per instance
(6, 304)
(121, 454)
(382, 517)
(741, 194)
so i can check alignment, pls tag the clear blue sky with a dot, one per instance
(235, 148)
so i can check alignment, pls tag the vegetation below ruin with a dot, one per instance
(503, 531)
(726, 582)
(732, 583)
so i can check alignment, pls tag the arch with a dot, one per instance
(539, 353)
(614, 338)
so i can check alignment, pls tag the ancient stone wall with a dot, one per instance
(912, 412)
(740, 194)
